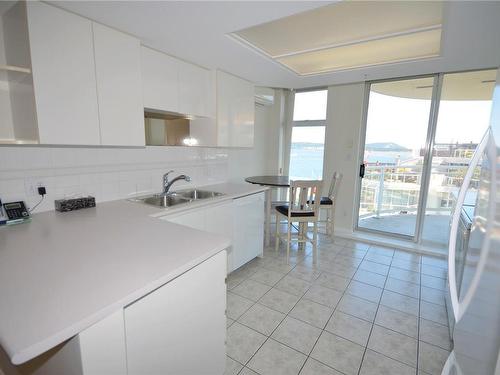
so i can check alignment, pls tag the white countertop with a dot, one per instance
(63, 272)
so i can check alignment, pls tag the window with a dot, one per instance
(308, 135)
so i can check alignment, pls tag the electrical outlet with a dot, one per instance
(31, 185)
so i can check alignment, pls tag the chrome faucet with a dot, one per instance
(167, 184)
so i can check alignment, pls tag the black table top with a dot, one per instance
(281, 181)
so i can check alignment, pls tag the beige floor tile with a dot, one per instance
(433, 295)
(293, 285)
(332, 281)
(242, 342)
(436, 313)
(267, 277)
(237, 305)
(338, 353)
(365, 291)
(435, 334)
(398, 321)
(279, 300)
(297, 334)
(405, 275)
(261, 318)
(232, 367)
(370, 278)
(358, 307)
(251, 289)
(403, 287)
(326, 296)
(275, 358)
(394, 345)
(349, 327)
(377, 364)
(313, 367)
(400, 302)
(431, 359)
(381, 269)
(311, 312)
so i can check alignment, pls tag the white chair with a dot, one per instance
(302, 208)
(328, 203)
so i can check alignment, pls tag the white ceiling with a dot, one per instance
(197, 31)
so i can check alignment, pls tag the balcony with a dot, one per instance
(390, 199)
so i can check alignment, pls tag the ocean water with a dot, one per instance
(306, 161)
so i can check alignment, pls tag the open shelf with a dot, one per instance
(13, 73)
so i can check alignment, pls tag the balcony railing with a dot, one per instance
(391, 190)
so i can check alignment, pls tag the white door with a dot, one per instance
(119, 87)
(160, 80)
(180, 328)
(194, 90)
(248, 229)
(62, 55)
(235, 111)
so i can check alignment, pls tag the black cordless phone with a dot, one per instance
(16, 211)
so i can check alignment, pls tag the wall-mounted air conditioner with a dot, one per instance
(264, 96)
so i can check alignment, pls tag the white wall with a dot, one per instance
(342, 145)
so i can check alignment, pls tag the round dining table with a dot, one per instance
(271, 182)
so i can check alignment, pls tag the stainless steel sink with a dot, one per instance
(164, 200)
(178, 197)
(195, 194)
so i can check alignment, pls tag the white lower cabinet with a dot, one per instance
(248, 229)
(178, 329)
(181, 327)
(241, 220)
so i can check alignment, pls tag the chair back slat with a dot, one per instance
(334, 185)
(305, 196)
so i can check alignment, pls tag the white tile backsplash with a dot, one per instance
(106, 173)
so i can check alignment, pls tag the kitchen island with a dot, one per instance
(82, 284)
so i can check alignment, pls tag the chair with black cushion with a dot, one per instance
(302, 208)
(328, 203)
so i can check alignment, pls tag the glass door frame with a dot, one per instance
(427, 162)
(429, 146)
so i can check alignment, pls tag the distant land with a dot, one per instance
(386, 146)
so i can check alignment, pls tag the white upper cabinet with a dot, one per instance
(62, 55)
(160, 80)
(119, 87)
(195, 90)
(235, 111)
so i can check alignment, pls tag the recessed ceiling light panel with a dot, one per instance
(350, 34)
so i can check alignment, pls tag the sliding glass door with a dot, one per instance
(464, 114)
(396, 132)
(420, 136)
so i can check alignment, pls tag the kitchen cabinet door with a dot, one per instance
(160, 80)
(248, 229)
(180, 328)
(219, 220)
(119, 87)
(235, 111)
(62, 56)
(194, 90)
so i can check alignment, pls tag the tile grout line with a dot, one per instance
(374, 318)
(330, 317)
(268, 337)
(418, 321)
(300, 262)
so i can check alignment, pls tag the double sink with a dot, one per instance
(177, 197)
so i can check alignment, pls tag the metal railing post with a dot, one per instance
(380, 192)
